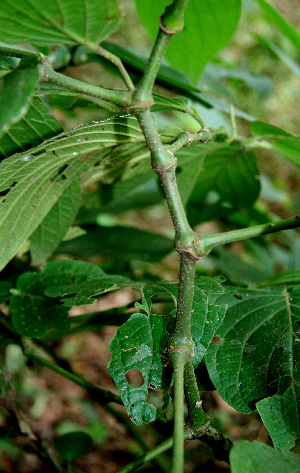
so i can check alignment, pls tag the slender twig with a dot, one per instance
(97, 394)
(116, 61)
(205, 243)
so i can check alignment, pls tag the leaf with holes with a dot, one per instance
(30, 21)
(257, 354)
(16, 90)
(33, 311)
(32, 182)
(134, 348)
(52, 229)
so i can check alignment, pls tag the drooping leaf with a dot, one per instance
(278, 139)
(16, 90)
(208, 28)
(257, 354)
(118, 242)
(280, 414)
(134, 347)
(30, 21)
(33, 311)
(72, 445)
(52, 229)
(32, 182)
(257, 457)
(280, 22)
(34, 128)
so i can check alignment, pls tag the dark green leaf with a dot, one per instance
(290, 277)
(280, 415)
(32, 182)
(73, 445)
(34, 128)
(118, 242)
(16, 90)
(52, 229)
(258, 347)
(257, 457)
(274, 16)
(32, 311)
(5, 287)
(30, 21)
(208, 28)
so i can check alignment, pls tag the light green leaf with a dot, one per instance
(257, 354)
(33, 311)
(30, 21)
(280, 415)
(247, 457)
(209, 25)
(34, 128)
(287, 60)
(274, 16)
(133, 347)
(52, 229)
(32, 182)
(16, 90)
(278, 140)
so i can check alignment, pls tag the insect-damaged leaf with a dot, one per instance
(32, 182)
(136, 346)
(258, 352)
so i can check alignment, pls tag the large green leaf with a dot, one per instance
(278, 140)
(137, 345)
(274, 16)
(256, 457)
(257, 354)
(31, 183)
(52, 229)
(123, 243)
(16, 90)
(32, 311)
(220, 176)
(43, 23)
(209, 25)
(34, 128)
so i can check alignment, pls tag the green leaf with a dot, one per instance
(5, 287)
(290, 277)
(257, 457)
(72, 445)
(134, 347)
(278, 140)
(122, 243)
(257, 354)
(280, 414)
(32, 182)
(287, 60)
(30, 21)
(16, 90)
(209, 26)
(52, 229)
(274, 16)
(34, 128)
(33, 311)
(226, 176)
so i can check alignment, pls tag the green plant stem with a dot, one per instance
(197, 418)
(172, 21)
(143, 94)
(117, 97)
(97, 394)
(178, 361)
(204, 135)
(116, 61)
(205, 243)
(20, 53)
